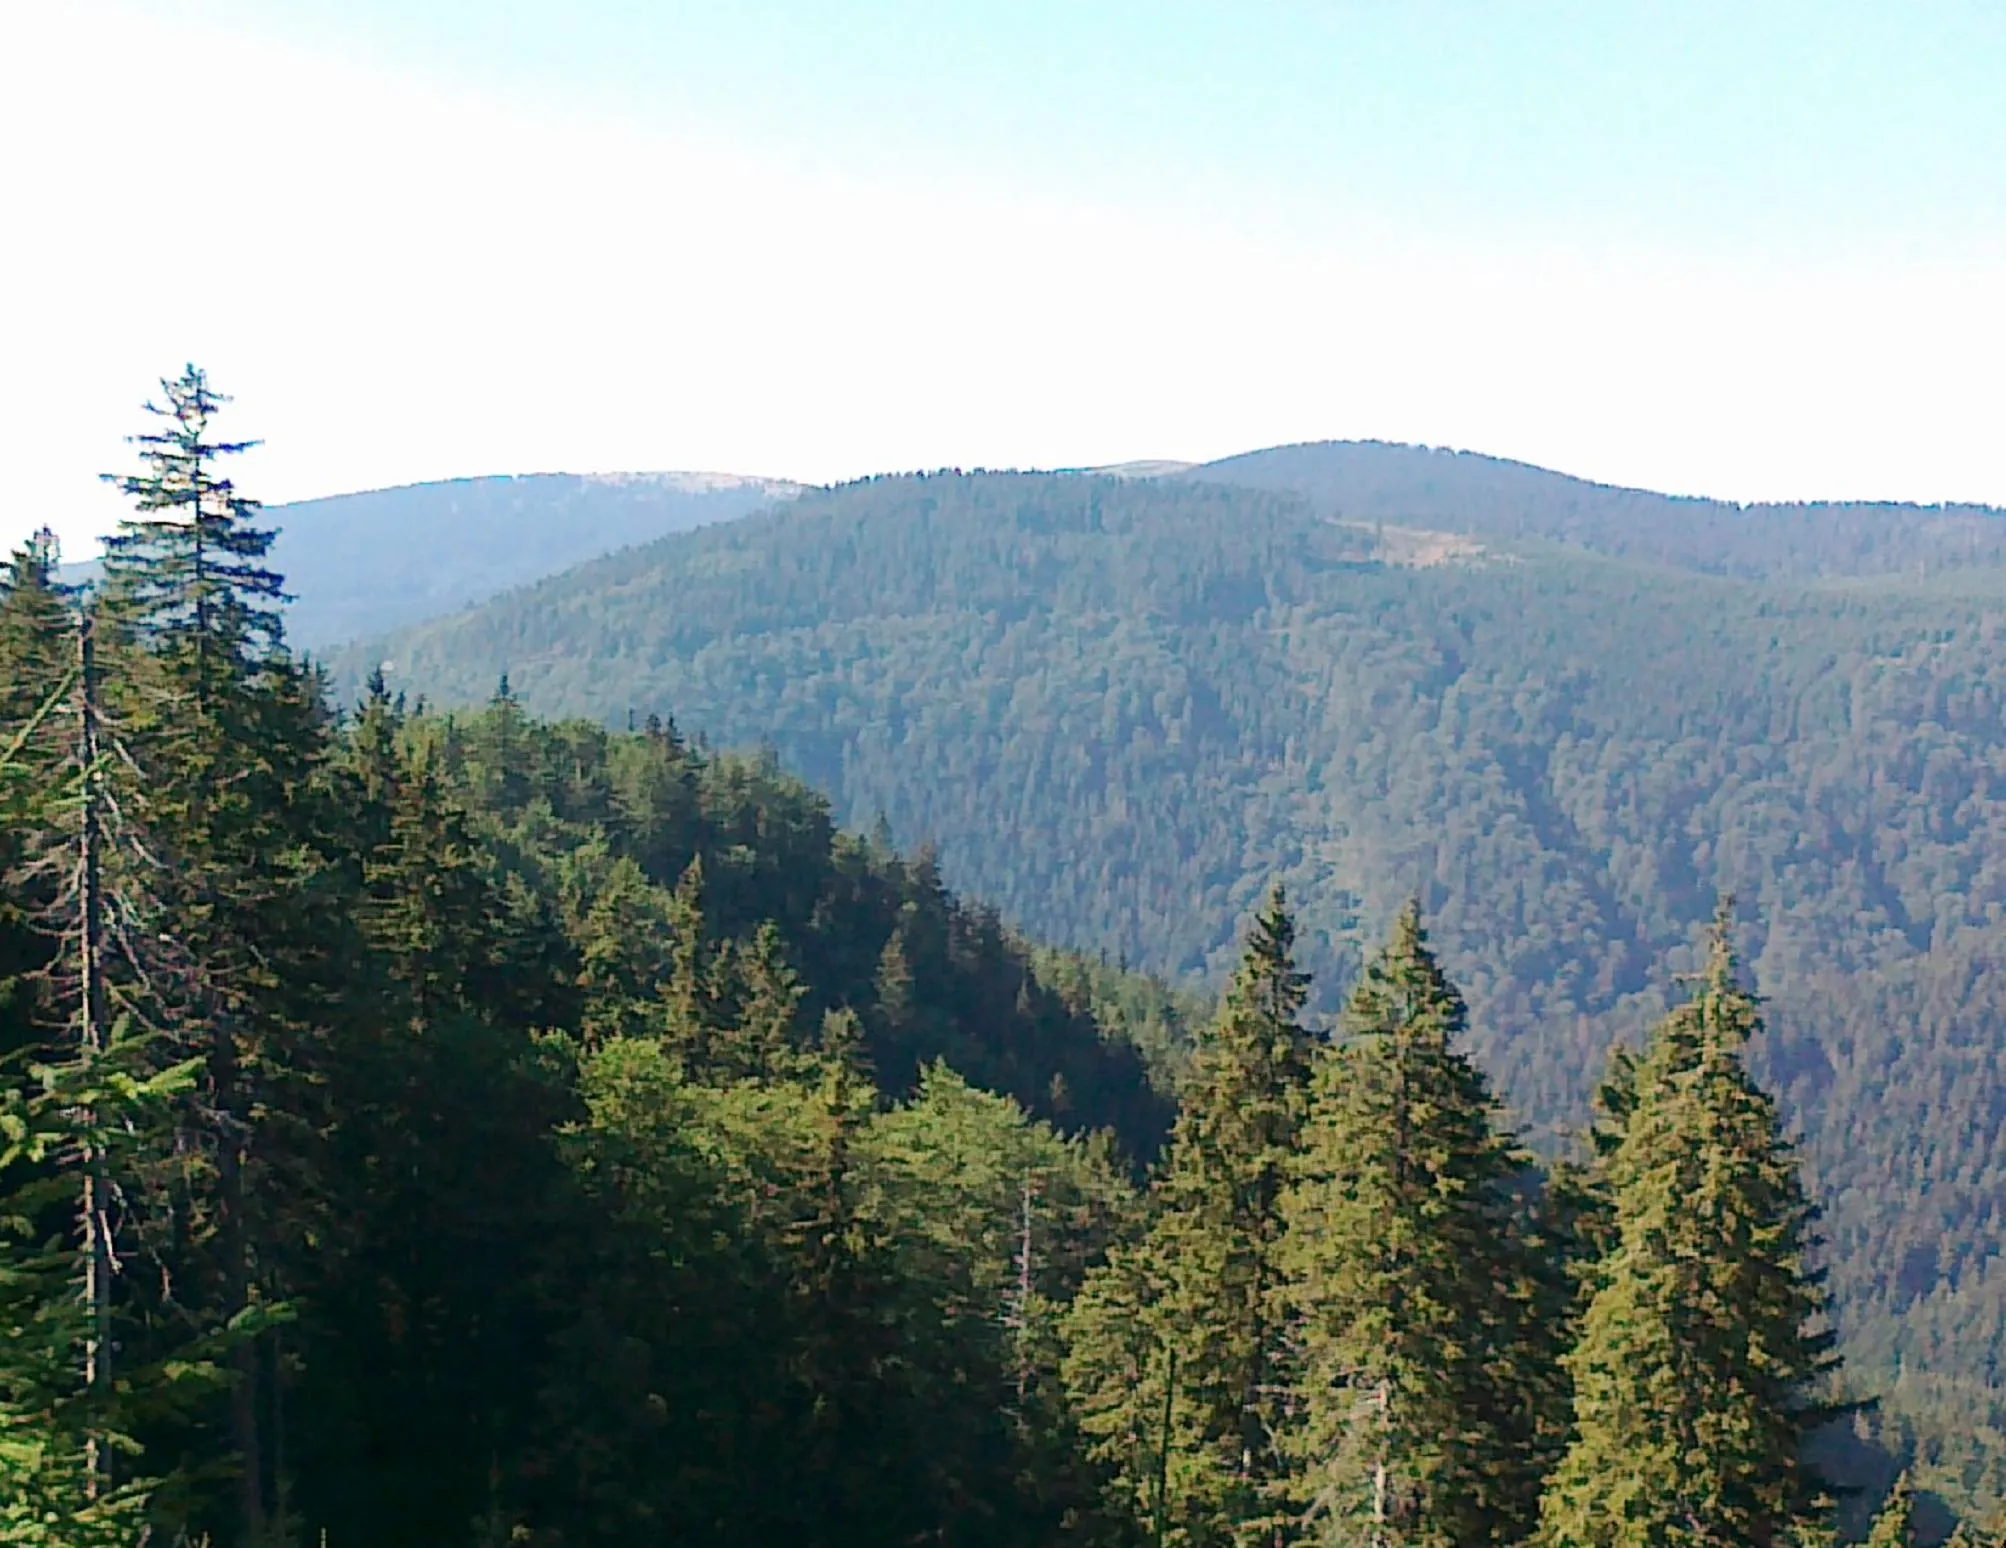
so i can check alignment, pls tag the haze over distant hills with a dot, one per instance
(1564, 715)
(359, 564)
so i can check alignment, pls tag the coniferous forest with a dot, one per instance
(433, 1129)
(1124, 706)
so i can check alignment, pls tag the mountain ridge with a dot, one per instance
(1483, 495)
(376, 560)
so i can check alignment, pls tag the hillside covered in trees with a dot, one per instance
(367, 563)
(430, 1129)
(1119, 707)
(1456, 491)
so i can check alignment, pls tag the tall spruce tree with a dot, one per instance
(232, 736)
(35, 651)
(1426, 1375)
(83, 1096)
(762, 1036)
(689, 994)
(1702, 1354)
(1176, 1355)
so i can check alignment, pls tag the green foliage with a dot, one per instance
(1121, 707)
(60, 1438)
(1428, 1393)
(523, 1133)
(1176, 1355)
(1894, 1524)
(1701, 1364)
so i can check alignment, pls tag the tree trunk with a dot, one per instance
(96, 1206)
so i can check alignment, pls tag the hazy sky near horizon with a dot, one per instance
(1750, 250)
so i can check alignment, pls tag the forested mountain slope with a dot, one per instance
(1372, 481)
(358, 564)
(362, 564)
(1121, 706)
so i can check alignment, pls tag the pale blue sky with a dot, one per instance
(1702, 121)
(1751, 250)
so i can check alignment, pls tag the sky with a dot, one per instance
(1752, 250)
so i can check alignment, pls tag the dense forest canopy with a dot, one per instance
(1120, 706)
(433, 1128)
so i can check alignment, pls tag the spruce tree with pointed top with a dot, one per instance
(895, 1016)
(1176, 1348)
(1703, 1357)
(232, 737)
(761, 1036)
(188, 567)
(1894, 1522)
(622, 966)
(1425, 1374)
(498, 754)
(689, 1008)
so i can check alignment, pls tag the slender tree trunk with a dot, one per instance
(1380, 1478)
(232, 1136)
(96, 1206)
(1020, 1314)
(244, 1428)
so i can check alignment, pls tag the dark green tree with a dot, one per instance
(67, 1458)
(232, 737)
(1702, 1359)
(427, 1295)
(38, 666)
(625, 951)
(689, 994)
(83, 1101)
(1425, 1370)
(848, 1323)
(1177, 1348)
